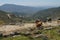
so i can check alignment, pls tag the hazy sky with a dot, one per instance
(32, 2)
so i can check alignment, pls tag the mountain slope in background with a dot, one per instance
(20, 9)
(51, 13)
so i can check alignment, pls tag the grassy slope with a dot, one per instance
(53, 34)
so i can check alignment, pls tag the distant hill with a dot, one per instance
(48, 13)
(18, 8)
(21, 9)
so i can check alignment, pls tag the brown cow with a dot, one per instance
(39, 24)
(58, 21)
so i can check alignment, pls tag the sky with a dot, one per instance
(32, 2)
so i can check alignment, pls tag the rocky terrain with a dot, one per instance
(9, 29)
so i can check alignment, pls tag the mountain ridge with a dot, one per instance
(21, 8)
(18, 8)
